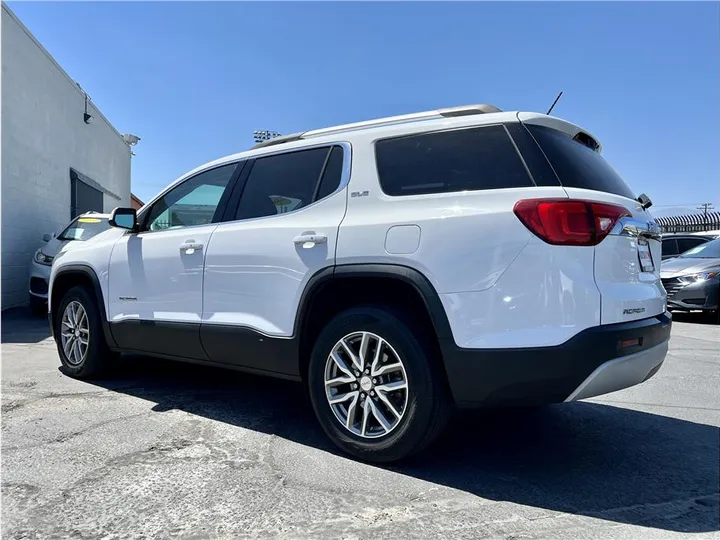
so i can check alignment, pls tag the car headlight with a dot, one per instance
(702, 276)
(41, 258)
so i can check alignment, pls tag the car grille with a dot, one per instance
(672, 285)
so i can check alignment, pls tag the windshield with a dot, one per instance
(710, 250)
(84, 228)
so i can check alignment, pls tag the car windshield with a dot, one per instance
(84, 228)
(710, 250)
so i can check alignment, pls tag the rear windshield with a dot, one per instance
(448, 161)
(577, 165)
(84, 228)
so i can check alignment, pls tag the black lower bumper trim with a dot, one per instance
(495, 377)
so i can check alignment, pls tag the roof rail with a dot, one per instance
(467, 110)
(377, 122)
(279, 140)
(449, 112)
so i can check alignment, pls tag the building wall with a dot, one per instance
(43, 136)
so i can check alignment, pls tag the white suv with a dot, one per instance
(397, 267)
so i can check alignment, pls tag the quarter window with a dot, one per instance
(282, 183)
(448, 161)
(194, 202)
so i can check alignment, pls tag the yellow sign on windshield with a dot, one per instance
(89, 220)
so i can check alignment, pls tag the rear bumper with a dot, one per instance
(593, 362)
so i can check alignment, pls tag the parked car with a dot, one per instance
(81, 228)
(675, 244)
(692, 280)
(399, 267)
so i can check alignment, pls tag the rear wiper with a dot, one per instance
(644, 201)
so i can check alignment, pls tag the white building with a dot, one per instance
(55, 165)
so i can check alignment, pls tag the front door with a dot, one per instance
(156, 275)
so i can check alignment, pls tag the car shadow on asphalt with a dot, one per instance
(20, 325)
(696, 317)
(588, 459)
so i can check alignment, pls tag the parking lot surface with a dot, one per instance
(172, 450)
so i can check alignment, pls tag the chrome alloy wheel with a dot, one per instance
(366, 385)
(75, 333)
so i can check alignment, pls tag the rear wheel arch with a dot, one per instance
(403, 289)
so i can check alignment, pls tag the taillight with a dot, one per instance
(569, 222)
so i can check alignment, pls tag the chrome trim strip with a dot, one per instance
(629, 226)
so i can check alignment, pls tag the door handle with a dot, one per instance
(310, 237)
(190, 247)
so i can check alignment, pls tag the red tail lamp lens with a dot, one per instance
(568, 222)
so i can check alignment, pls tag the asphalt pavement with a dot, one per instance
(173, 450)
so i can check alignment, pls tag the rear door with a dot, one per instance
(627, 261)
(282, 227)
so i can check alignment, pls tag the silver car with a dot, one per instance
(692, 279)
(81, 228)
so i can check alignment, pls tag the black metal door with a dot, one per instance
(84, 198)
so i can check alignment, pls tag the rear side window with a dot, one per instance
(441, 162)
(577, 165)
(685, 244)
(282, 183)
(669, 246)
(330, 180)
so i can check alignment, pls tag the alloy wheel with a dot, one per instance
(75, 333)
(366, 385)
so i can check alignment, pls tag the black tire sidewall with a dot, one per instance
(422, 382)
(97, 356)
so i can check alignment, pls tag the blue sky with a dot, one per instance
(194, 79)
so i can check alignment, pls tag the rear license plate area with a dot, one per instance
(645, 256)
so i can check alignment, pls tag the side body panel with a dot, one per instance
(255, 271)
(93, 254)
(499, 284)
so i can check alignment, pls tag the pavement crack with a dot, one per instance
(63, 437)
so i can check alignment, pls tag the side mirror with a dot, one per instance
(124, 218)
(47, 237)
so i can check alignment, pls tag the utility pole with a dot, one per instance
(705, 207)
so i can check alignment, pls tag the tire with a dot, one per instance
(426, 403)
(96, 359)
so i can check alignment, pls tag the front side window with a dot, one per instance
(281, 183)
(194, 202)
(449, 161)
